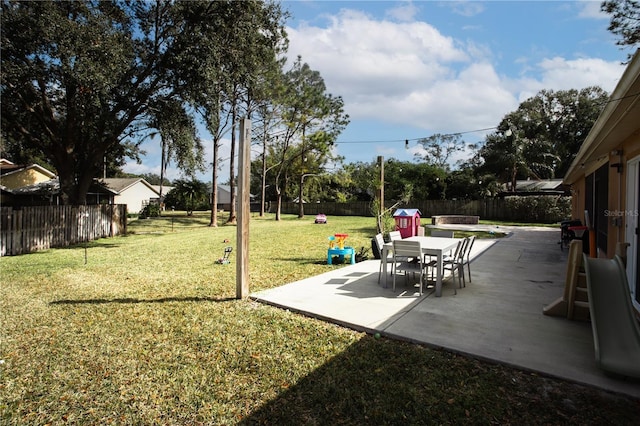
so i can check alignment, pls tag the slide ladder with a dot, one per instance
(616, 333)
(574, 303)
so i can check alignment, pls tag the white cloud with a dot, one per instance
(563, 74)
(409, 73)
(590, 9)
(466, 8)
(406, 12)
(403, 73)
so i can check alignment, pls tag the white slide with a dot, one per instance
(616, 333)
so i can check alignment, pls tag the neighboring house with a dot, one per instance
(165, 189)
(537, 187)
(605, 175)
(14, 176)
(47, 193)
(224, 197)
(134, 192)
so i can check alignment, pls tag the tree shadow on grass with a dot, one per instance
(133, 300)
(381, 381)
(365, 384)
(358, 386)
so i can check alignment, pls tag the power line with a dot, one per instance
(407, 140)
(417, 139)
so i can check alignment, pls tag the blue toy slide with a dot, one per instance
(616, 333)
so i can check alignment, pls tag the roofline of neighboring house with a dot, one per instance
(40, 169)
(147, 184)
(616, 122)
(52, 183)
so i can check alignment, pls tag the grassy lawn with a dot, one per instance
(148, 332)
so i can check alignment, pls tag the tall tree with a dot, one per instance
(178, 139)
(239, 41)
(188, 195)
(78, 79)
(625, 21)
(439, 148)
(313, 119)
(541, 138)
(261, 41)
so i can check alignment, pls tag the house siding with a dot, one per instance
(135, 196)
(616, 197)
(22, 178)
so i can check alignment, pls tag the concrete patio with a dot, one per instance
(498, 317)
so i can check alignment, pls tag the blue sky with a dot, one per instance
(409, 69)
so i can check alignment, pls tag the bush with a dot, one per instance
(150, 210)
(539, 208)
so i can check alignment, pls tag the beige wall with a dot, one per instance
(616, 191)
(134, 196)
(22, 178)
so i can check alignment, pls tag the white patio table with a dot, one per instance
(432, 246)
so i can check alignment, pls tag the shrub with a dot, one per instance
(150, 210)
(539, 208)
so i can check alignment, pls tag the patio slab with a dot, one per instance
(498, 317)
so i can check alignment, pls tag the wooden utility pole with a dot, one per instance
(244, 214)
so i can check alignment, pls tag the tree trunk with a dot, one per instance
(232, 166)
(163, 169)
(214, 186)
(300, 201)
(73, 191)
(264, 175)
(279, 205)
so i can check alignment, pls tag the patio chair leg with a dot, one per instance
(394, 275)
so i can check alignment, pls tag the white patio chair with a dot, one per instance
(467, 254)
(407, 257)
(395, 235)
(455, 263)
(380, 244)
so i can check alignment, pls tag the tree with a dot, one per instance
(83, 81)
(178, 139)
(541, 138)
(78, 78)
(439, 149)
(625, 20)
(359, 181)
(413, 181)
(255, 68)
(313, 119)
(188, 195)
(239, 42)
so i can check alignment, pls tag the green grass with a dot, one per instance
(148, 331)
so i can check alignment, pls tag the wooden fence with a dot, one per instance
(30, 229)
(489, 209)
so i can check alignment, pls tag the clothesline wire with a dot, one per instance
(417, 139)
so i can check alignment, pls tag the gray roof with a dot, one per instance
(539, 185)
(118, 185)
(51, 186)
